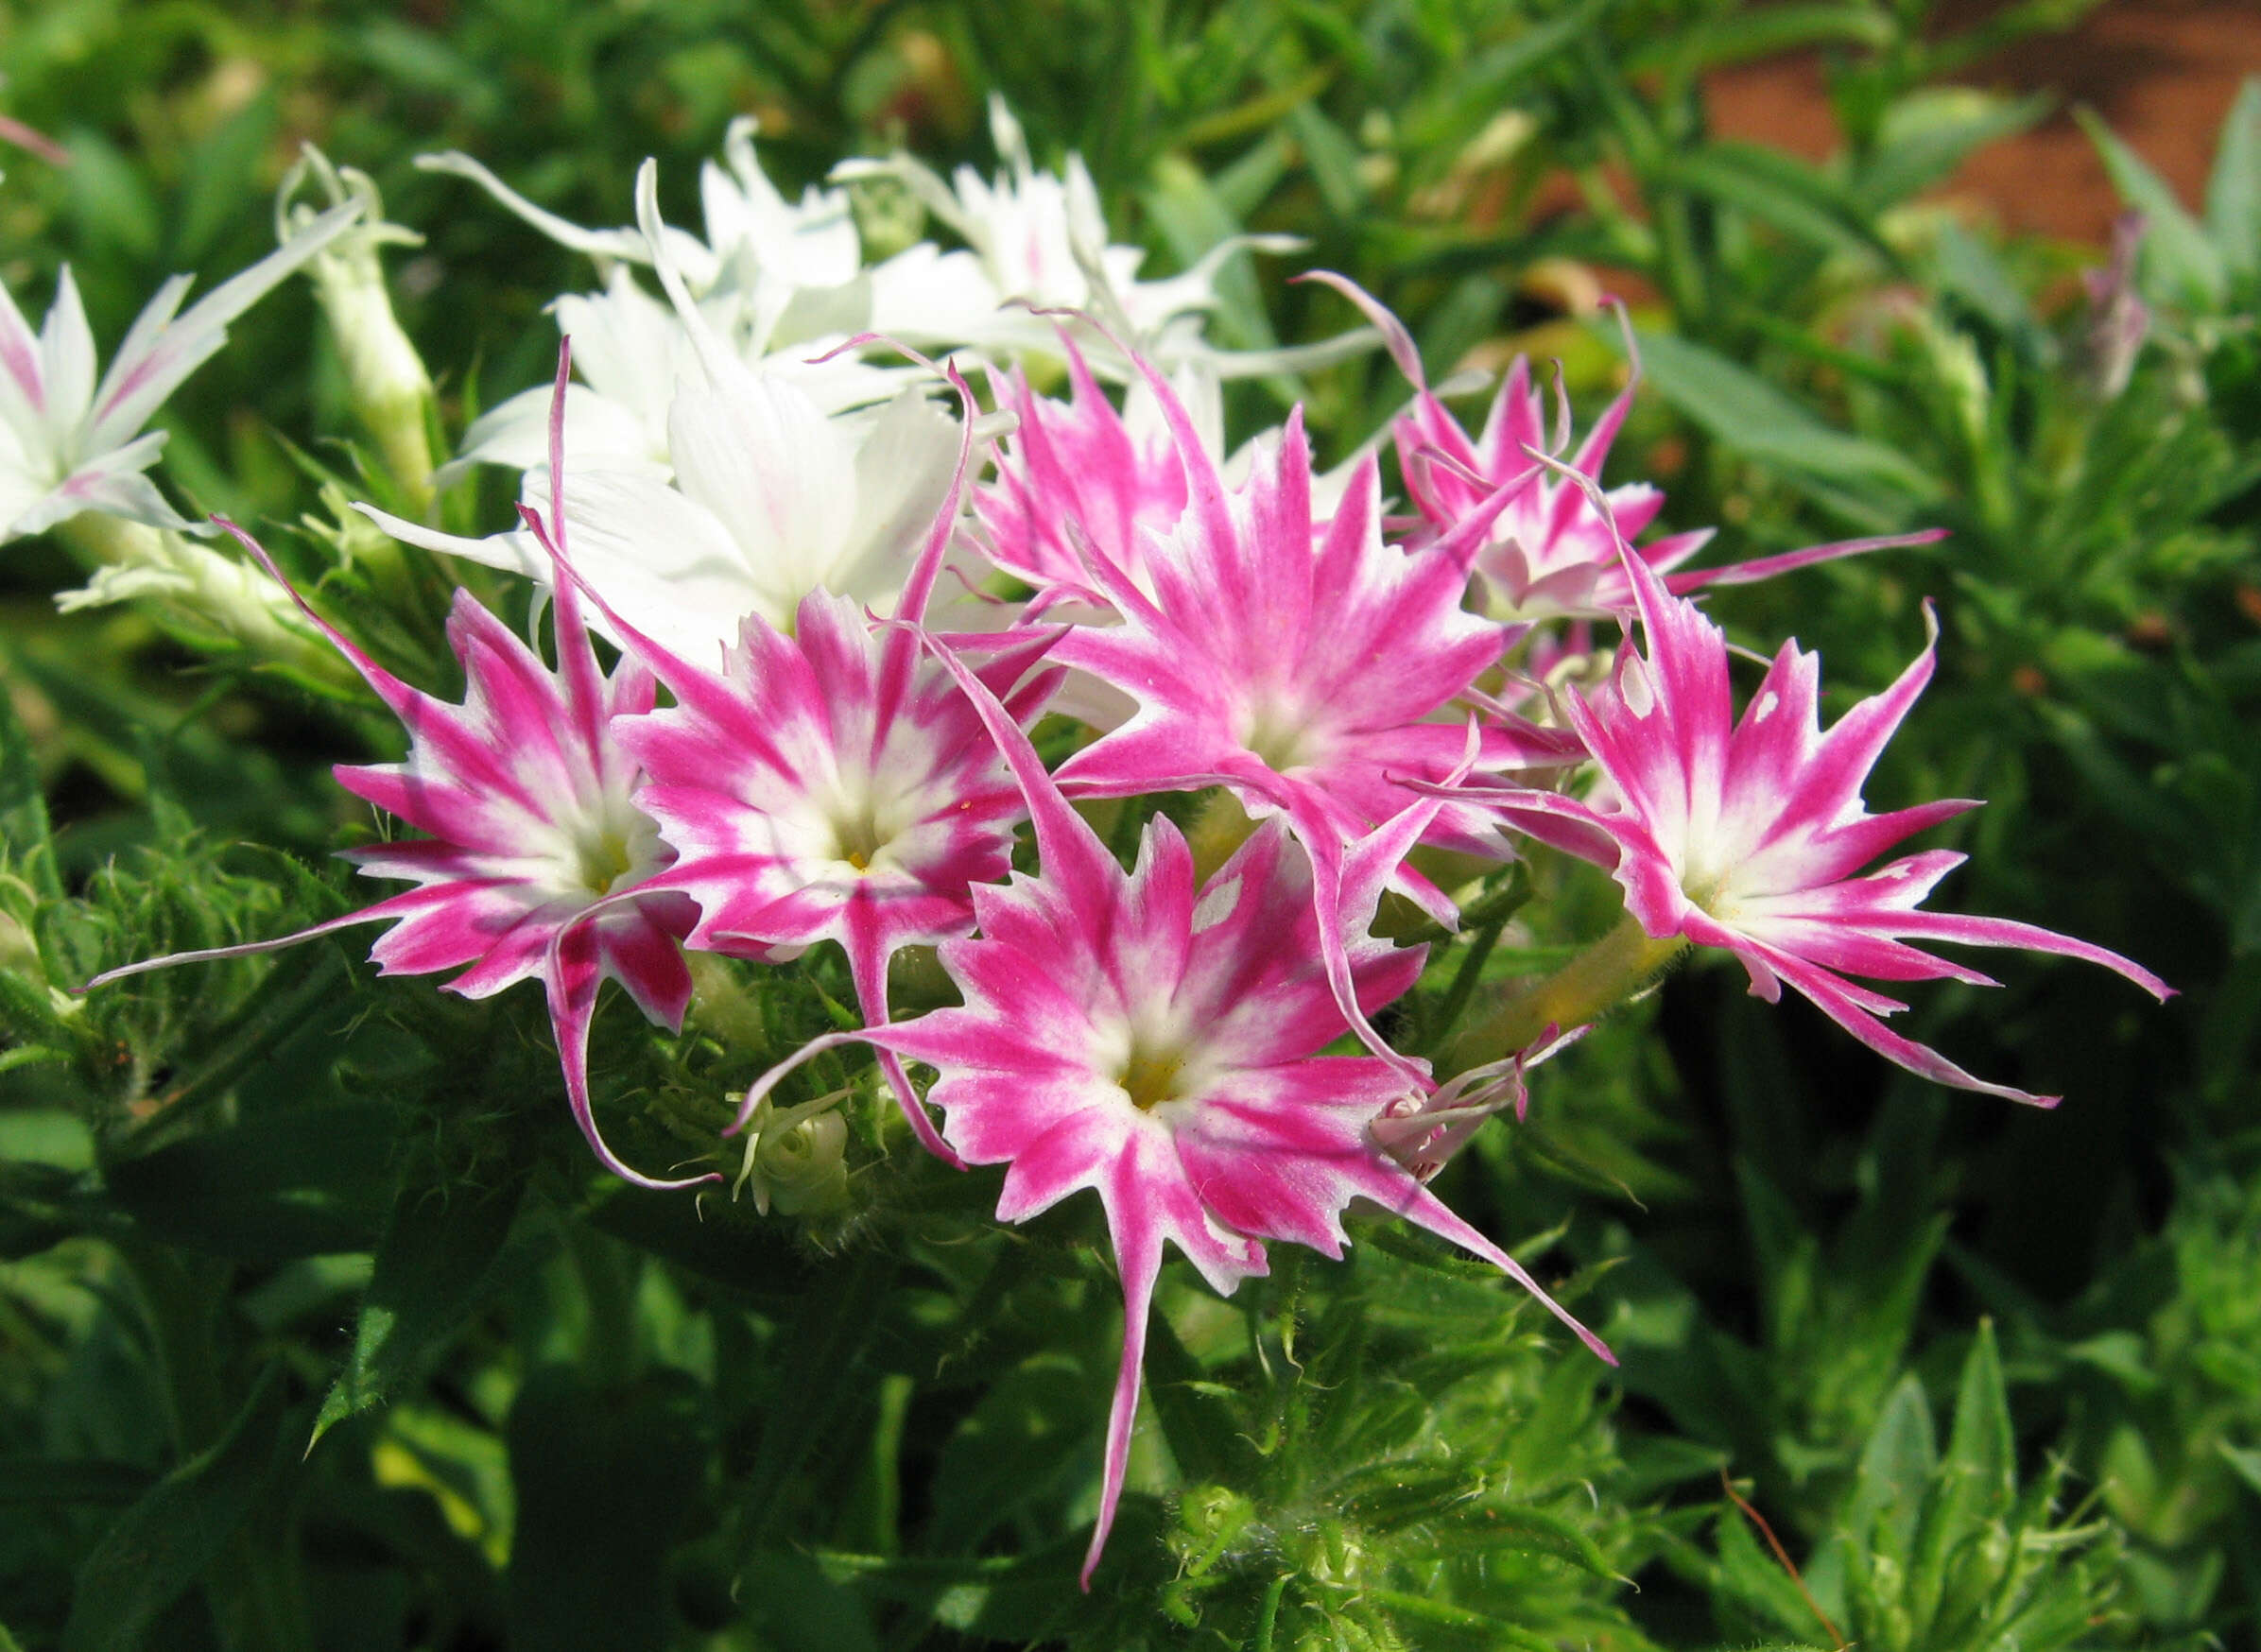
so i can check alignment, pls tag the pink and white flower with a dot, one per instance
(831, 784)
(1158, 1043)
(68, 444)
(1302, 676)
(1751, 835)
(537, 860)
(1549, 551)
(1076, 484)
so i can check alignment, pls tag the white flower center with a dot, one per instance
(1281, 735)
(617, 847)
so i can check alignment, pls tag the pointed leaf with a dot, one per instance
(2246, 1463)
(1783, 192)
(163, 1543)
(436, 1266)
(1976, 1484)
(1746, 413)
(2233, 191)
(1015, 1447)
(2180, 263)
(1929, 133)
(1896, 1467)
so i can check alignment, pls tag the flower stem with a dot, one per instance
(1599, 979)
(199, 596)
(1222, 827)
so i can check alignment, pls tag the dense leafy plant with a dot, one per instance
(319, 1328)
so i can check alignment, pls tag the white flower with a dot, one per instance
(1036, 241)
(780, 283)
(811, 244)
(769, 499)
(631, 350)
(68, 444)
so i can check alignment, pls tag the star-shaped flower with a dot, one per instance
(536, 858)
(1750, 835)
(1158, 1043)
(68, 444)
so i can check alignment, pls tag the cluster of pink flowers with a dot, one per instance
(845, 759)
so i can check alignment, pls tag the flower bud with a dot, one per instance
(391, 391)
(199, 594)
(796, 1156)
(2118, 321)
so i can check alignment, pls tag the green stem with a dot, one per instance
(249, 1585)
(1222, 827)
(1587, 988)
(609, 1274)
(208, 598)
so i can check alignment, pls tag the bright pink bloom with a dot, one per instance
(1158, 1043)
(1548, 551)
(833, 785)
(1751, 835)
(538, 858)
(526, 801)
(1074, 487)
(1298, 669)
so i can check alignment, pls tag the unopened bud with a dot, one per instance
(797, 1157)
(391, 391)
(201, 595)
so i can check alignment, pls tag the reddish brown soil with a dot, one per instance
(2162, 73)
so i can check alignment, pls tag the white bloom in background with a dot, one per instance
(781, 282)
(809, 243)
(1036, 240)
(769, 498)
(68, 444)
(630, 353)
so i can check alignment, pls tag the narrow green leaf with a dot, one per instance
(1782, 191)
(2246, 1463)
(2179, 262)
(2234, 190)
(1977, 1483)
(1016, 1446)
(1925, 136)
(1519, 1528)
(1751, 416)
(1332, 159)
(23, 831)
(163, 1543)
(1193, 219)
(1743, 35)
(1968, 268)
(1018, 1597)
(436, 1266)
(1895, 1467)
(40, 1205)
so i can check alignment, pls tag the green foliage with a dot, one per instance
(317, 1328)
